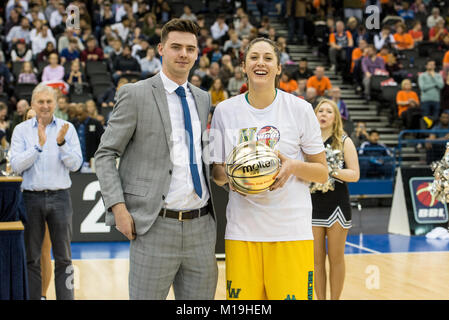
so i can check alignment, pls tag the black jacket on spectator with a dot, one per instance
(93, 133)
(122, 63)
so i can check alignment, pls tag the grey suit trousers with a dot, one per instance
(175, 252)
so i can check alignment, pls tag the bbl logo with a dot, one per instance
(426, 208)
(269, 135)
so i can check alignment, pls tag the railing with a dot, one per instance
(433, 147)
(377, 174)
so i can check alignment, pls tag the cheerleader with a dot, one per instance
(331, 216)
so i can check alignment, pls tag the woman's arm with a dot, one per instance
(352, 171)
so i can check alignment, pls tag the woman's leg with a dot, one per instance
(336, 236)
(319, 245)
(46, 262)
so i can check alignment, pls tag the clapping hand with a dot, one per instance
(62, 132)
(41, 133)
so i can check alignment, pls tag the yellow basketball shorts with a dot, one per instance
(269, 270)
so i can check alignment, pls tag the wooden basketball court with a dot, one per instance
(386, 276)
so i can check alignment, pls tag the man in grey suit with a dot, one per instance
(159, 197)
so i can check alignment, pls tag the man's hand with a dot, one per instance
(285, 172)
(62, 132)
(41, 133)
(124, 221)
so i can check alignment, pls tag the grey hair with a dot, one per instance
(41, 87)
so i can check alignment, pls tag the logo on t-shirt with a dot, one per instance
(269, 135)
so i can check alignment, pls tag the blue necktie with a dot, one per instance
(188, 126)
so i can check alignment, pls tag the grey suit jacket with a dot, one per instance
(138, 132)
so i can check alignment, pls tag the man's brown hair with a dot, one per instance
(181, 25)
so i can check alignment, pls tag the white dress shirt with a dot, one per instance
(181, 194)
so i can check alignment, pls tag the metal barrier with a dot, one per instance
(434, 149)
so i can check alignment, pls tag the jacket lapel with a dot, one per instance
(162, 104)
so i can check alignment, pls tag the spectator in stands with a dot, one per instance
(4, 123)
(21, 52)
(92, 51)
(359, 135)
(430, 83)
(303, 71)
(301, 90)
(107, 17)
(211, 75)
(319, 81)
(203, 68)
(19, 32)
(383, 38)
(217, 92)
(219, 29)
(435, 150)
(215, 54)
(188, 14)
(18, 116)
(335, 95)
(287, 83)
(122, 29)
(39, 42)
(285, 56)
(107, 36)
(264, 26)
(369, 65)
(403, 40)
(57, 15)
(416, 32)
(226, 70)
(89, 133)
(64, 40)
(107, 100)
(92, 111)
(340, 41)
(408, 105)
(244, 27)
(61, 107)
(236, 82)
(54, 71)
(356, 63)
(14, 20)
(312, 97)
(437, 32)
(375, 158)
(272, 34)
(45, 54)
(233, 42)
(445, 95)
(296, 12)
(406, 12)
(27, 74)
(196, 81)
(354, 30)
(74, 76)
(71, 53)
(150, 65)
(125, 64)
(434, 18)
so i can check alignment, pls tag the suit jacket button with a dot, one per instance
(163, 197)
(170, 172)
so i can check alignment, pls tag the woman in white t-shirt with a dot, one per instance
(269, 240)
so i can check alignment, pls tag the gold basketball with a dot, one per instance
(251, 167)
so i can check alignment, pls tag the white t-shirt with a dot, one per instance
(288, 125)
